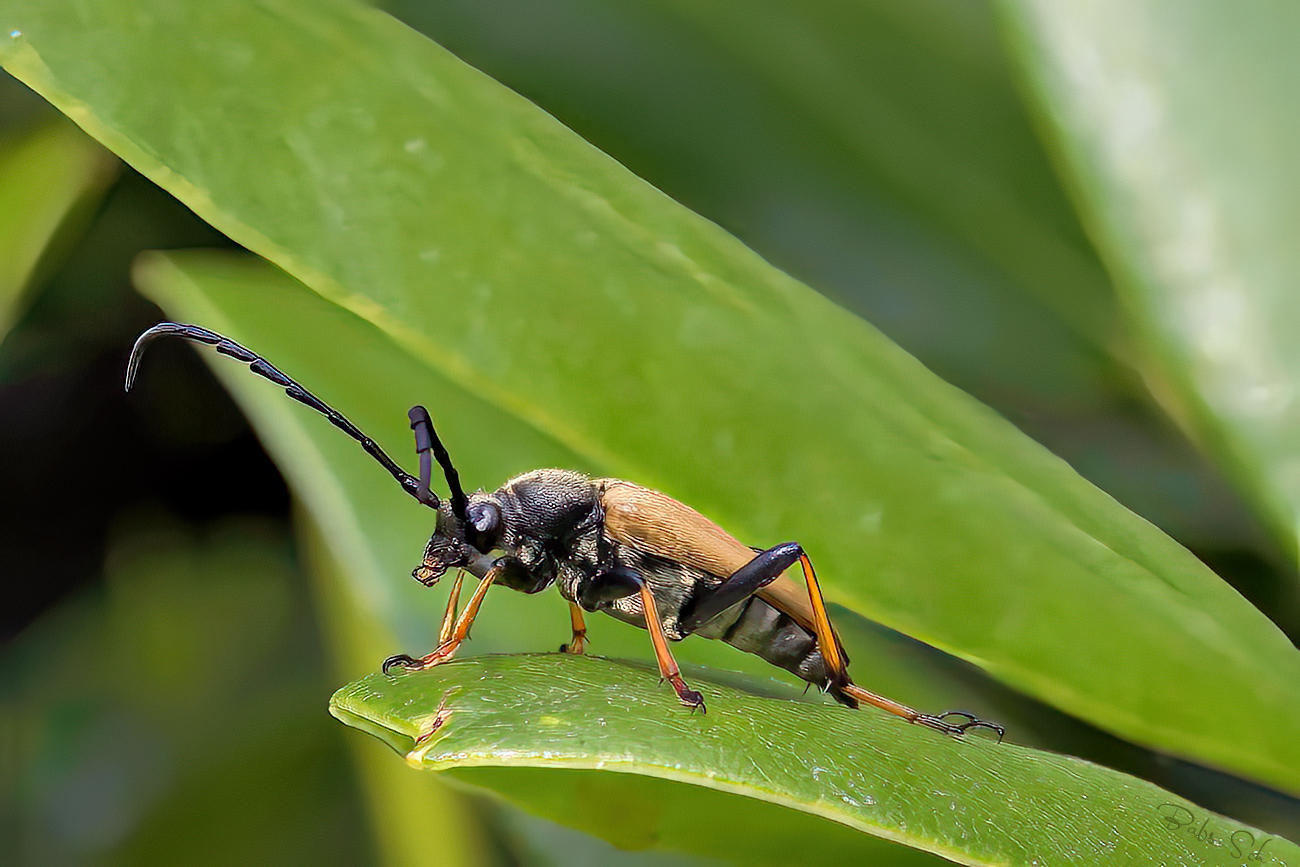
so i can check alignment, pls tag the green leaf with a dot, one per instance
(580, 318)
(973, 801)
(883, 122)
(48, 178)
(130, 682)
(883, 84)
(896, 105)
(1178, 124)
(449, 826)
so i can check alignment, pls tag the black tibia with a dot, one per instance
(426, 441)
(614, 583)
(745, 582)
(265, 369)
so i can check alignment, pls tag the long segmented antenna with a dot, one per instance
(426, 441)
(257, 364)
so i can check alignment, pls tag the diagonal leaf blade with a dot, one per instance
(972, 801)
(614, 331)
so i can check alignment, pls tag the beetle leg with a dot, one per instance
(938, 722)
(618, 582)
(837, 669)
(743, 583)
(614, 583)
(446, 649)
(668, 669)
(578, 644)
(449, 617)
(837, 666)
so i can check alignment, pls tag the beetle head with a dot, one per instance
(459, 543)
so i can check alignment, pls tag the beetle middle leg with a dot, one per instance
(451, 638)
(618, 582)
(668, 669)
(577, 644)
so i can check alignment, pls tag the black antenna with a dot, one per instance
(415, 487)
(426, 440)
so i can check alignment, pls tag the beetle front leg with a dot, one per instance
(450, 640)
(449, 616)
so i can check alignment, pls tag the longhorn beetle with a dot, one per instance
(611, 546)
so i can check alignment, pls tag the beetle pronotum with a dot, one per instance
(610, 546)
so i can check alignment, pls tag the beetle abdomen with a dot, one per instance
(758, 628)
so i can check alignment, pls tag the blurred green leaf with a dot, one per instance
(840, 159)
(555, 310)
(448, 825)
(115, 711)
(947, 138)
(1178, 123)
(48, 177)
(973, 801)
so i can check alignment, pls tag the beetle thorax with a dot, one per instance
(549, 507)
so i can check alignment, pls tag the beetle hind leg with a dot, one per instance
(941, 723)
(938, 722)
(840, 684)
(742, 584)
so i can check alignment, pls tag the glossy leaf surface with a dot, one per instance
(972, 800)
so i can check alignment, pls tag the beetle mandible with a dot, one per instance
(610, 546)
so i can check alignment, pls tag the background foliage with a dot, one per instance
(879, 153)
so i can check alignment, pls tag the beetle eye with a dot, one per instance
(484, 517)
